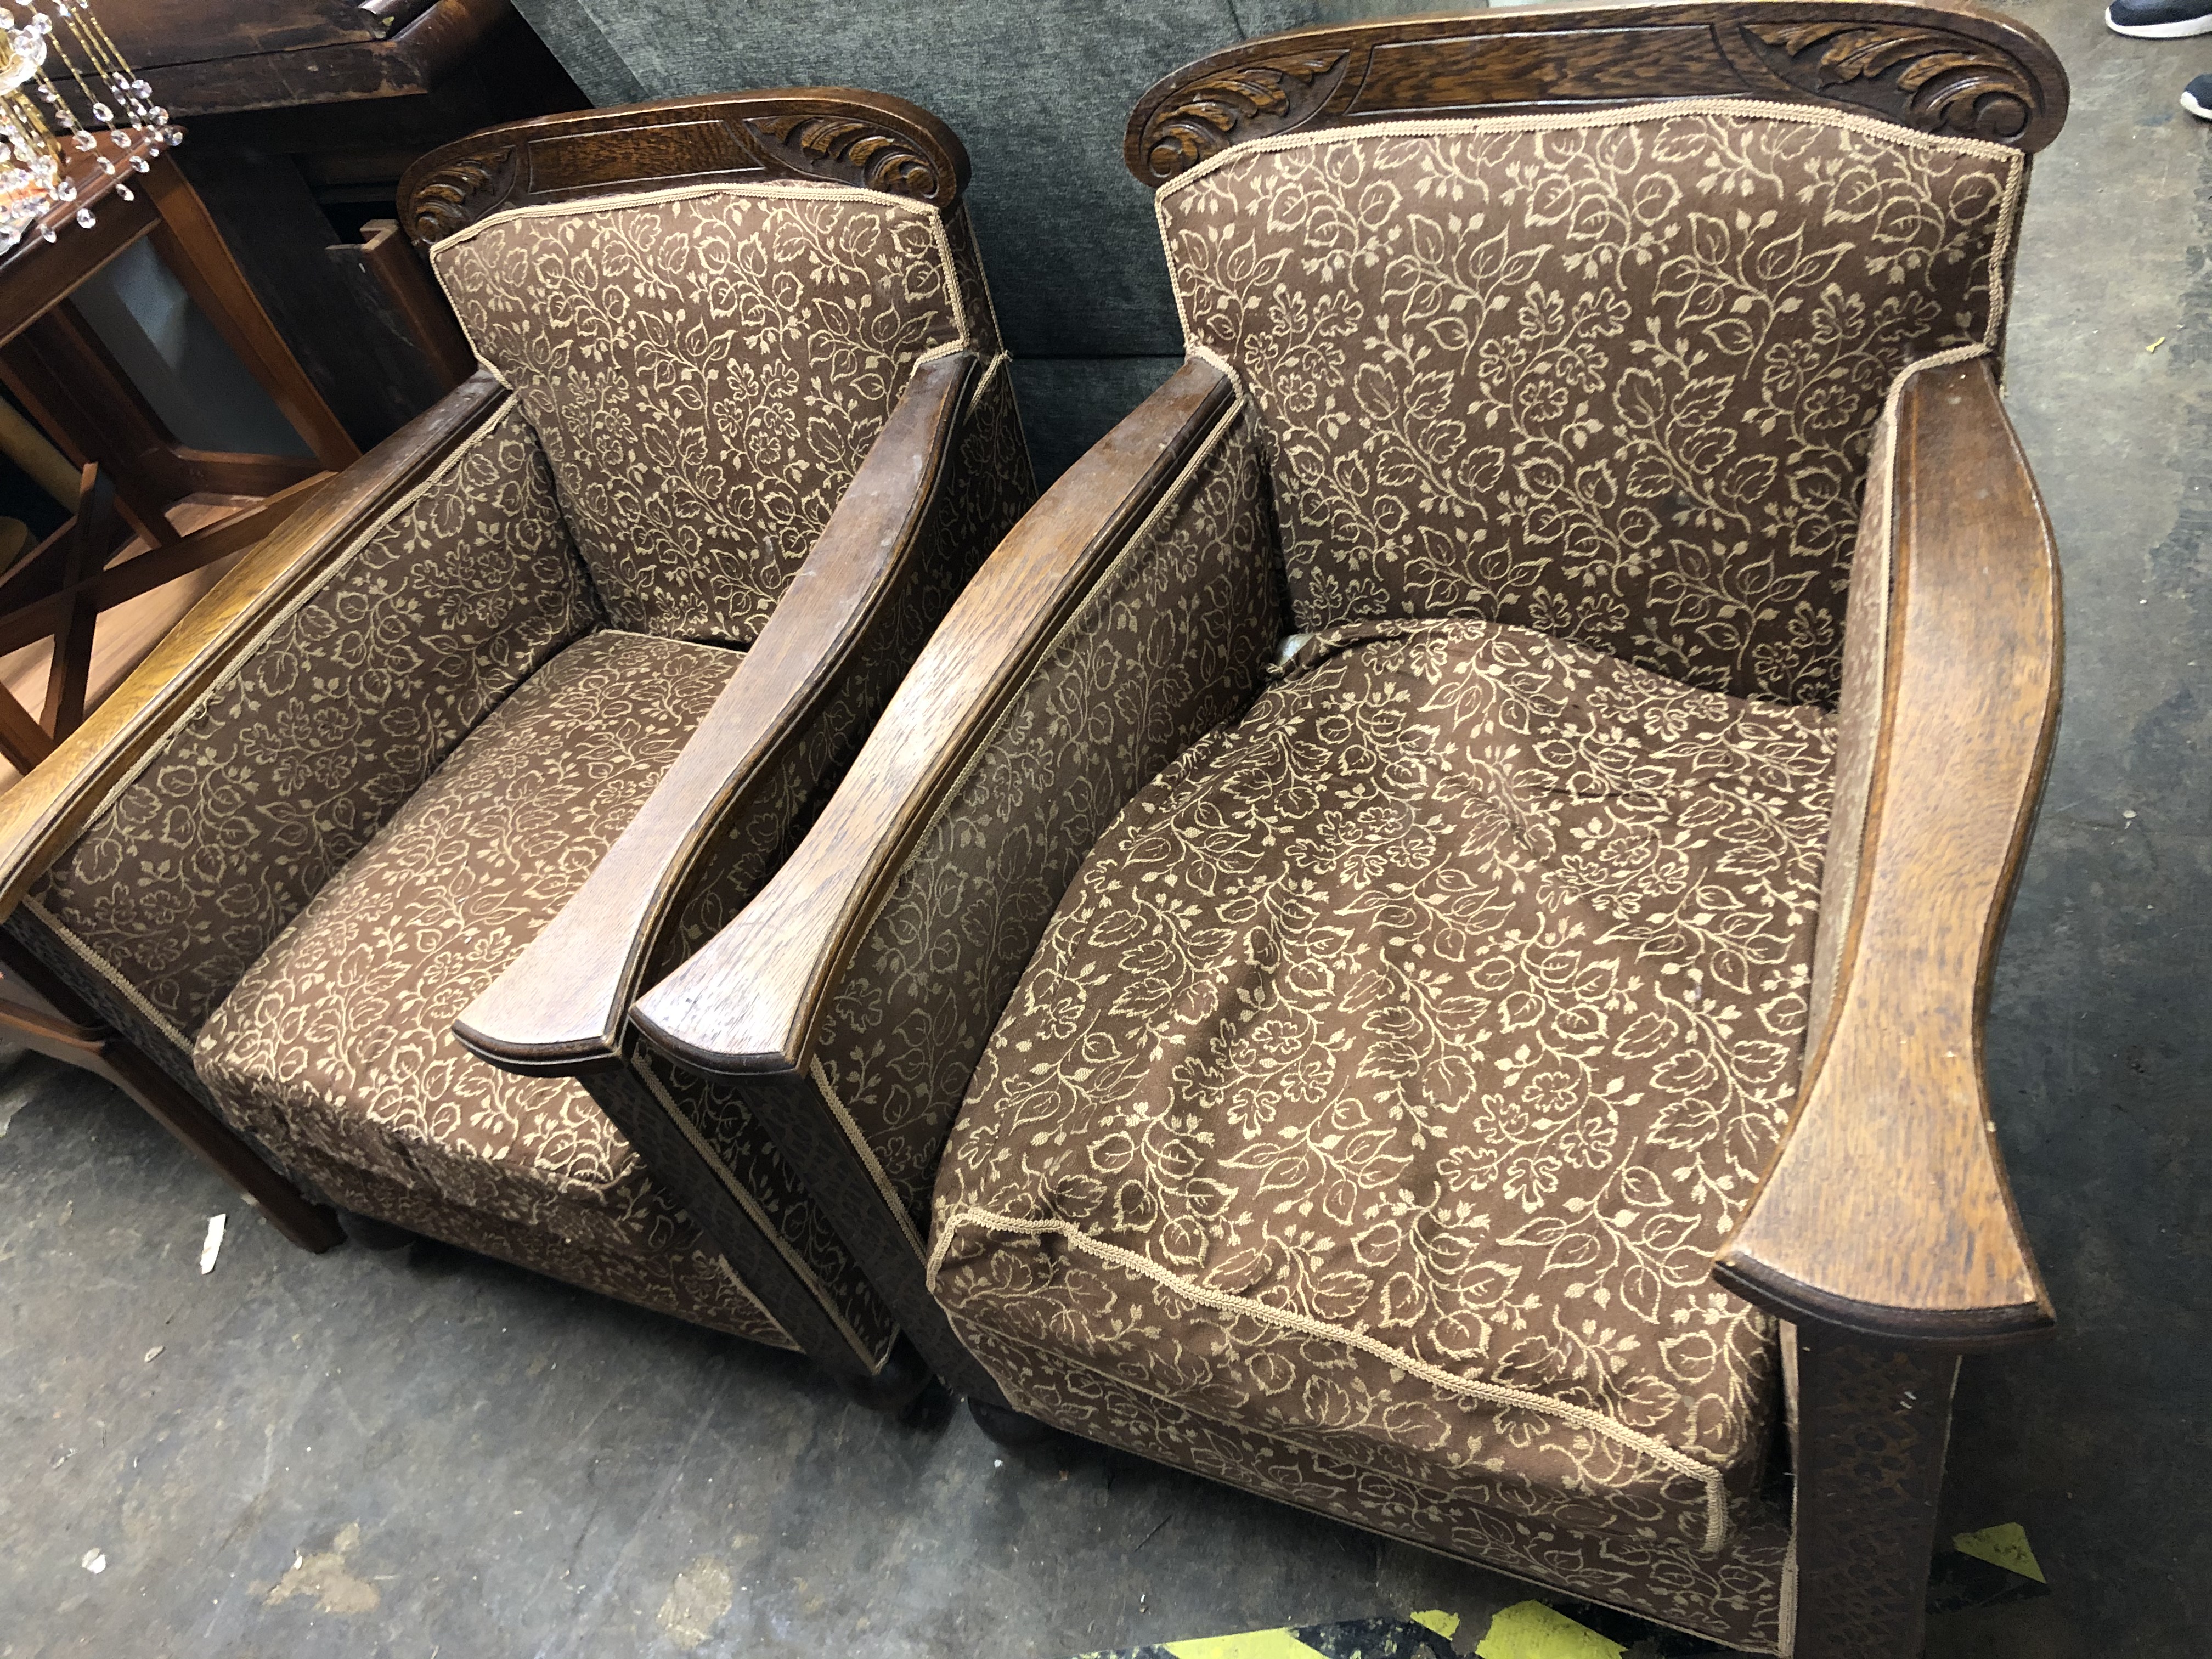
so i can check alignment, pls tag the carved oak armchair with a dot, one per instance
(619, 609)
(1415, 941)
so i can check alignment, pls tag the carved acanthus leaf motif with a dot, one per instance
(462, 190)
(852, 152)
(1245, 101)
(1930, 78)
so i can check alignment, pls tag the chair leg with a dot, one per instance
(1008, 1427)
(1871, 1429)
(905, 1375)
(371, 1234)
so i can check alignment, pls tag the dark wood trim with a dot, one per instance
(749, 1001)
(836, 135)
(389, 274)
(760, 1264)
(1872, 1427)
(792, 1110)
(1936, 68)
(74, 1034)
(1887, 1210)
(40, 816)
(393, 51)
(559, 1007)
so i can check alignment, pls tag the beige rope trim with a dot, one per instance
(106, 970)
(746, 1291)
(791, 190)
(1596, 1422)
(1208, 355)
(743, 1196)
(2000, 246)
(866, 1154)
(292, 606)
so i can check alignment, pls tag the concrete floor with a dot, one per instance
(431, 1453)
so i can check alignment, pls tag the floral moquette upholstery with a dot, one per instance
(1362, 1128)
(1609, 377)
(413, 768)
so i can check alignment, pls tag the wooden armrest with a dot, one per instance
(1886, 1211)
(47, 810)
(559, 1008)
(749, 1001)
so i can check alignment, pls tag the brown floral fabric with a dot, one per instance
(336, 1049)
(1170, 643)
(706, 370)
(1732, 1595)
(325, 728)
(336, 1045)
(685, 1277)
(1611, 377)
(1396, 1063)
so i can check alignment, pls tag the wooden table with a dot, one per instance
(132, 470)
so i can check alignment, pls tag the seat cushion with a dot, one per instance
(1393, 1068)
(1609, 375)
(337, 1046)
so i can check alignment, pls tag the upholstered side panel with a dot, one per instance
(685, 1278)
(1732, 1597)
(1610, 376)
(707, 369)
(1170, 643)
(348, 703)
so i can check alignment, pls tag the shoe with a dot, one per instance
(2159, 20)
(2196, 98)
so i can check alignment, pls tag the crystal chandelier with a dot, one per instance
(43, 142)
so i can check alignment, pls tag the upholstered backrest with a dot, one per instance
(707, 367)
(1611, 375)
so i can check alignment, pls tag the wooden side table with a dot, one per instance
(134, 471)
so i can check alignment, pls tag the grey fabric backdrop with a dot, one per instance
(1038, 90)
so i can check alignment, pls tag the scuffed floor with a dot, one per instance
(430, 1454)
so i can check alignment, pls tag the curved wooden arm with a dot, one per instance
(42, 815)
(749, 1001)
(1886, 1211)
(559, 1008)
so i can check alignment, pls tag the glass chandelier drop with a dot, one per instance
(45, 145)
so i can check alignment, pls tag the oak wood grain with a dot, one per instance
(1886, 1211)
(749, 1001)
(839, 135)
(40, 816)
(560, 1006)
(1934, 67)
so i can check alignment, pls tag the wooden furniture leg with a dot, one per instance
(67, 1030)
(1871, 1427)
(59, 372)
(92, 538)
(193, 249)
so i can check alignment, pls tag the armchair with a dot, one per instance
(1415, 941)
(611, 617)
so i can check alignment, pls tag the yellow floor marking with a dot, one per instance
(1445, 1625)
(1529, 1630)
(2002, 1547)
(1252, 1645)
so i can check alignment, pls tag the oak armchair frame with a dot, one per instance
(561, 1007)
(1884, 1234)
